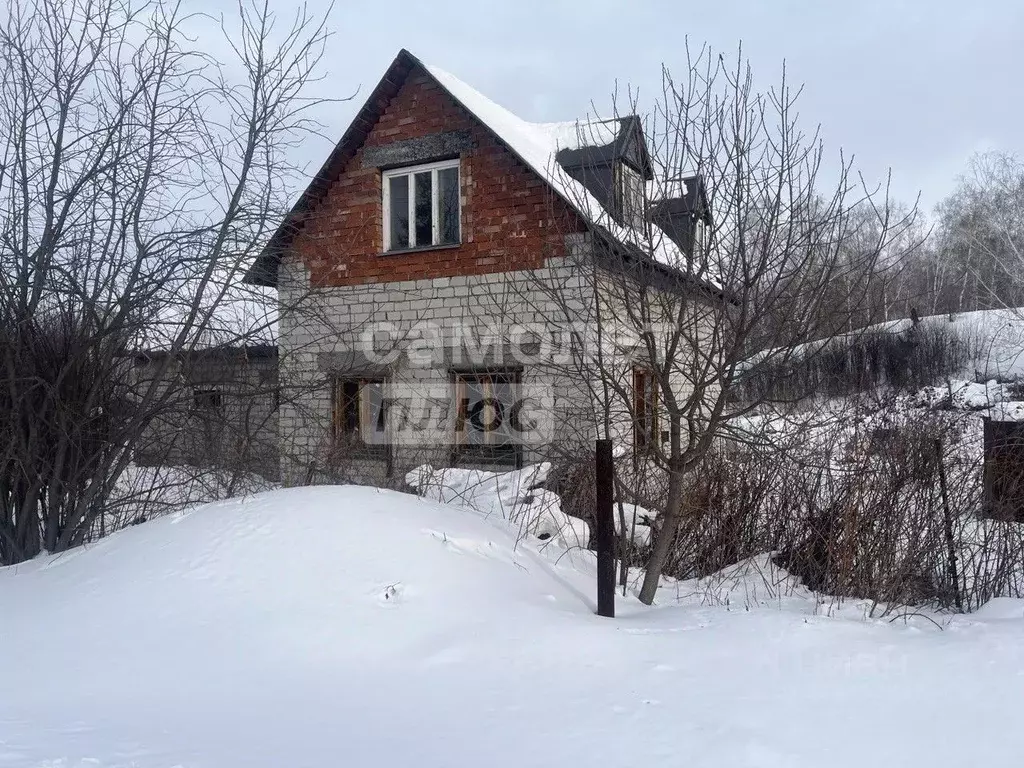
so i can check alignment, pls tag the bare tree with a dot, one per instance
(981, 234)
(137, 176)
(746, 253)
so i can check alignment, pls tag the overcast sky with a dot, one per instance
(917, 85)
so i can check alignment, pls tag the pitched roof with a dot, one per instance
(264, 269)
(538, 144)
(535, 144)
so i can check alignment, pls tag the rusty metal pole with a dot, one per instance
(605, 530)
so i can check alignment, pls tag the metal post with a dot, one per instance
(605, 530)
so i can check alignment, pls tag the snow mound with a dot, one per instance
(638, 523)
(1001, 608)
(514, 496)
(353, 626)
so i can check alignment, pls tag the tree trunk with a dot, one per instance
(663, 540)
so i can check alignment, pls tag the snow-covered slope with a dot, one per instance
(343, 626)
(995, 337)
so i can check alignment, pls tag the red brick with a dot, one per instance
(342, 238)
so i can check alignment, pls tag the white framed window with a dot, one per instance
(632, 194)
(700, 238)
(421, 206)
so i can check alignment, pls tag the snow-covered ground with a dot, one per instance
(343, 626)
(995, 336)
(515, 497)
(999, 336)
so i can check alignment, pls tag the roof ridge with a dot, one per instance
(534, 144)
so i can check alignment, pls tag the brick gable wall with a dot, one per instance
(511, 220)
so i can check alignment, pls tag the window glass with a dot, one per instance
(645, 404)
(700, 238)
(399, 211)
(424, 208)
(448, 213)
(485, 405)
(371, 401)
(360, 412)
(206, 399)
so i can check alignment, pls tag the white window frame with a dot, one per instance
(435, 224)
(632, 195)
(700, 238)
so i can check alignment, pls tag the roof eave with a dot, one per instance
(264, 269)
(687, 279)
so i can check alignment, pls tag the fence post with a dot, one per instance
(605, 530)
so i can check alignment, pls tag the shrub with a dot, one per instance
(872, 524)
(878, 358)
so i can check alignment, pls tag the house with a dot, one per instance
(437, 279)
(217, 407)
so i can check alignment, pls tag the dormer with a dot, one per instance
(685, 217)
(610, 158)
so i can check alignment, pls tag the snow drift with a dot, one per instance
(351, 626)
(516, 497)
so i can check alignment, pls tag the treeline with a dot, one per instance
(969, 255)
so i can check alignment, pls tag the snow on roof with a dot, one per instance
(537, 144)
(671, 188)
(574, 134)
